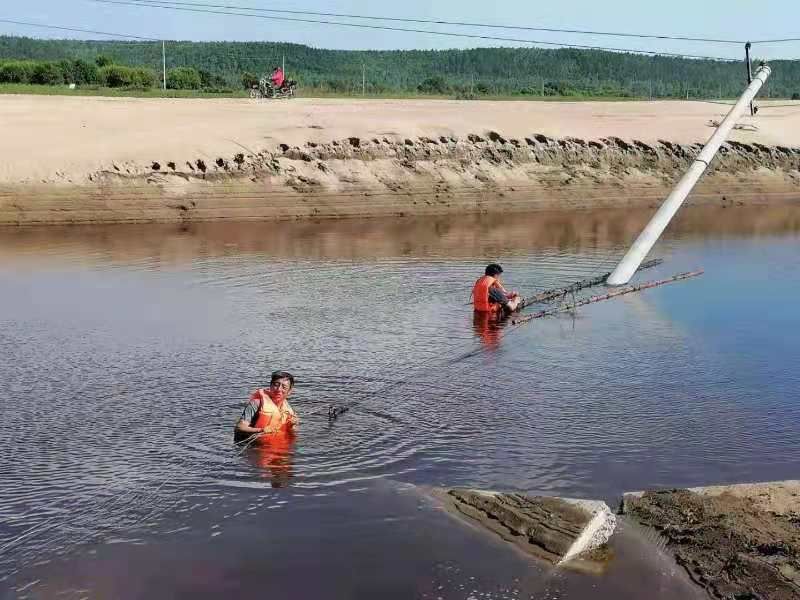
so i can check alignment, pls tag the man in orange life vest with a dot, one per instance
(269, 411)
(489, 295)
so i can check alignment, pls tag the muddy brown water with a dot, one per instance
(128, 351)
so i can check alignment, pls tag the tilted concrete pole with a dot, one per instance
(649, 236)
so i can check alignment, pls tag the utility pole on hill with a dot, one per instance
(164, 62)
(749, 72)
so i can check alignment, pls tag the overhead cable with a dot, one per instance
(443, 22)
(75, 29)
(776, 41)
(410, 30)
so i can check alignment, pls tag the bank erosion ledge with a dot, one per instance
(114, 160)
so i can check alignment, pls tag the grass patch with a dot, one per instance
(63, 90)
(59, 90)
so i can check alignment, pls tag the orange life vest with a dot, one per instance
(480, 295)
(270, 414)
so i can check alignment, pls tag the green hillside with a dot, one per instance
(484, 71)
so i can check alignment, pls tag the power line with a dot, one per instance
(777, 41)
(767, 106)
(121, 35)
(410, 30)
(264, 58)
(449, 23)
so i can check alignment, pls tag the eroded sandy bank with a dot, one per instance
(68, 160)
(736, 541)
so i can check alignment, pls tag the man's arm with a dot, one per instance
(248, 416)
(506, 292)
(498, 296)
(243, 426)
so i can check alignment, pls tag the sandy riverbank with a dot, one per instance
(736, 541)
(73, 160)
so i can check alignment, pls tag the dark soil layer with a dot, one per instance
(727, 545)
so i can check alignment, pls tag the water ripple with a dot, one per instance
(123, 381)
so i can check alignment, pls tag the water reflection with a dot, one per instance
(488, 329)
(272, 456)
(157, 246)
(682, 385)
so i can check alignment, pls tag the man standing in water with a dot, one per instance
(269, 411)
(489, 295)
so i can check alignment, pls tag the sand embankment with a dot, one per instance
(73, 160)
(736, 541)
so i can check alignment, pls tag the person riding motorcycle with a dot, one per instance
(277, 78)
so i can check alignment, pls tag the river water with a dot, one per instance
(128, 352)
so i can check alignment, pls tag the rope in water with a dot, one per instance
(335, 411)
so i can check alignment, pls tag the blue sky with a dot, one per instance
(742, 19)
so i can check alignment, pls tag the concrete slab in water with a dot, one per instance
(554, 529)
(739, 541)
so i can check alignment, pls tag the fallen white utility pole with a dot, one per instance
(649, 236)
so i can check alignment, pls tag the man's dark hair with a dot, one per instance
(493, 270)
(278, 375)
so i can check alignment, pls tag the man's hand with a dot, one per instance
(268, 430)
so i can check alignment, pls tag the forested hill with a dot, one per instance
(485, 70)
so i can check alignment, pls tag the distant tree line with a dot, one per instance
(465, 73)
(103, 72)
